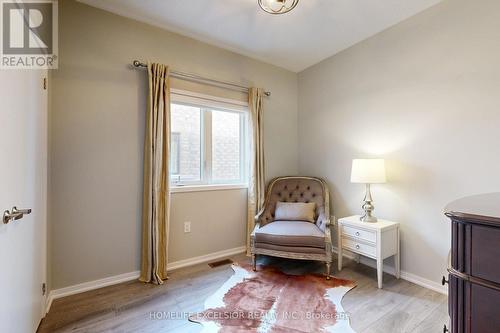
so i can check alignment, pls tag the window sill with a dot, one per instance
(202, 188)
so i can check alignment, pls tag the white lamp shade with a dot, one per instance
(368, 171)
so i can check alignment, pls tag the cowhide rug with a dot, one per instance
(273, 302)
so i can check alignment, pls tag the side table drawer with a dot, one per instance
(359, 247)
(369, 236)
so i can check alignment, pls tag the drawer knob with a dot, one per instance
(445, 329)
(444, 281)
(357, 246)
(357, 233)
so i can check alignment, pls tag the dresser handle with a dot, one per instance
(357, 246)
(445, 329)
(357, 233)
(444, 281)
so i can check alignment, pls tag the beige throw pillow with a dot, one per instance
(294, 211)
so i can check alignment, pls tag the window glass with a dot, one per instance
(226, 147)
(175, 153)
(186, 147)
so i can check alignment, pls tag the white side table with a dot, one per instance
(378, 241)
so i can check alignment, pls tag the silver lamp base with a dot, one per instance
(368, 218)
(368, 207)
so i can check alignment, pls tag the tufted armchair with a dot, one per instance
(294, 239)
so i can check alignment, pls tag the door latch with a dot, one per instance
(14, 214)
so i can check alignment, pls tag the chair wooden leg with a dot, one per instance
(254, 262)
(328, 266)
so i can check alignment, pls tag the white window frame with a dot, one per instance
(206, 183)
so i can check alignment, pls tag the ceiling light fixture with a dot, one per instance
(277, 6)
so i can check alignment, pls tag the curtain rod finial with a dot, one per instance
(137, 63)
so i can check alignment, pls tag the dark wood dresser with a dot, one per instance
(474, 272)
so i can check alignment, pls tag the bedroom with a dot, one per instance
(402, 95)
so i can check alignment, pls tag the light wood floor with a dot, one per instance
(130, 307)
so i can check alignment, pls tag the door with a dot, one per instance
(23, 179)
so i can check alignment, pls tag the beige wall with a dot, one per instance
(96, 137)
(425, 95)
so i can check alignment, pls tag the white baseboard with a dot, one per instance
(410, 277)
(426, 283)
(208, 257)
(111, 280)
(91, 285)
(108, 281)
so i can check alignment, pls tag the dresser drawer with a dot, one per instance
(484, 253)
(359, 247)
(366, 235)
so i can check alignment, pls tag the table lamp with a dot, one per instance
(368, 171)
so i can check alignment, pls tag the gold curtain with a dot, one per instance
(256, 185)
(156, 199)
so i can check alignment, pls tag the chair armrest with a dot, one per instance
(324, 222)
(259, 216)
(257, 226)
(328, 236)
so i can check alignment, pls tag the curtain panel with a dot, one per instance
(156, 198)
(256, 184)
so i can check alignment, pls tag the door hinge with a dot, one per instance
(44, 289)
(44, 83)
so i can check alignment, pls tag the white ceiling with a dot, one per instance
(313, 31)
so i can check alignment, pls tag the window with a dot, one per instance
(208, 142)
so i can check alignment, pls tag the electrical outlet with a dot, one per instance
(333, 221)
(187, 226)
